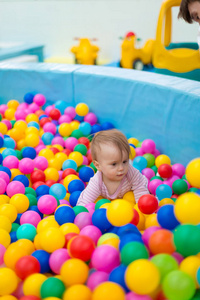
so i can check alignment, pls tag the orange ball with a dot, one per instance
(161, 241)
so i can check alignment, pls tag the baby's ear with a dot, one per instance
(96, 164)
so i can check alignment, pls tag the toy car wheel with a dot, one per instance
(138, 65)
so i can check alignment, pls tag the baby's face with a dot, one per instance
(194, 10)
(112, 163)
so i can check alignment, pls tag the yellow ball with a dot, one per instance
(51, 173)
(187, 207)
(47, 223)
(108, 290)
(82, 109)
(162, 159)
(192, 172)
(20, 201)
(16, 134)
(4, 199)
(77, 292)
(13, 253)
(8, 281)
(74, 125)
(9, 211)
(21, 125)
(3, 128)
(26, 245)
(132, 153)
(74, 271)
(32, 140)
(15, 172)
(119, 212)
(10, 114)
(32, 117)
(77, 157)
(21, 144)
(8, 297)
(51, 239)
(61, 156)
(4, 238)
(65, 129)
(69, 228)
(13, 104)
(165, 201)
(129, 196)
(31, 130)
(55, 163)
(114, 242)
(5, 223)
(32, 284)
(142, 277)
(151, 220)
(133, 141)
(190, 265)
(47, 153)
(68, 179)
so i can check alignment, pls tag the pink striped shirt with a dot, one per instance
(132, 181)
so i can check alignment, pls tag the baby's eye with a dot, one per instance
(125, 161)
(114, 164)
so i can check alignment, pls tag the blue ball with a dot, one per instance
(35, 208)
(79, 118)
(64, 214)
(61, 105)
(96, 128)
(86, 173)
(8, 142)
(126, 229)
(1, 158)
(76, 185)
(7, 170)
(99, 219)
(47, 138)
(43, 257)
(58, 190)
(13, 236)
(127, 238)
(8, 152)
(140, 162)
(107, 125)
(117, 275)
(29, 152)
(18, 218)
(42, 190)
(166, 217)
(28, 98)
(1, 142)
(163, 191)
(34, 124)
(69, 164)
(73, 198)
(85, 128)
(42, 116)
(198, 275)
(23, 179)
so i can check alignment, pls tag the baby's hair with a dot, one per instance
(111, 136)
(184, 11)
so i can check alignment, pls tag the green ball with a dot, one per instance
(0, 117)
(133, 251)
(150, 159)
(29, 190)
(187, 239)
(106, 236)
(155, 169)
(139, 144)
(197, 295)
(193, 189)
(101, 202)
(52, 287)
(184, 177)
(77, 133)
(156, 177)
(78, 209)
(32, 199)
(93, 167)
(13, 122)
(81, 148)
(19, 154)
(26, 231)
(165, 264)
(178, 285)
(14, 227)
(179, 186)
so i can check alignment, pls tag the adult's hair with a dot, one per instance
(112, 136)
(184, 11)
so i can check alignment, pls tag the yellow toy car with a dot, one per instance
(85, 53)
(133, 57)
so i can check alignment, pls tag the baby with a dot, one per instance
(115, 176)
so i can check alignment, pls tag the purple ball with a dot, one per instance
(153, 184)
(83, 219)
(148, 172)
(105, 258)
(96, 278)
(178, 169)
(90, 118)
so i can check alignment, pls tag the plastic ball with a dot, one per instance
(52, 287)
(165, 264)
(57, 259)
(8, 281)
(51, 239)
(148, 146)
(83, 219)
(47, 204)
(73, 198)
(69, 164)
(108, 290)
(105, 258)
(186, 208)
(137, 282)
(43, 258)
(153, 184)
(166, 217)
(178, 169)
(192, 172)
(26, 231)
(64, 214)
(140, 162)
(51, 174)
(30, 217)
(82, 247)
(15, 187)
(133, 251)
(161, 241)
(41, 163)
(5, 223)
(74, 271)
(150, 158)
(9, 211)
(23, 179)
(178, 285)
(26, 266)
(3, 186)
(91, 231)
(33, 283)
(26, 165)
(163, 191)
(85, 127)
(165, 171)
(147, 204)
(76, 185)
(58, 190)
(82, 109)
(119, 212)
(77, 292)
(162, 159)
(4, 238)
(100, 220)
(190, 265)
(32, 140)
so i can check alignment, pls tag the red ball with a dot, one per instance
(67, 172)
(55, 114)
(69, 236)
(165, 171)
(26, 266)
(136, 217)
(85, 141)
(54, 150)
(89, 157)
(43, 121)
(66, 151)
(50, 182)
(37, 175)
(148, 204)
(82, 247)
(36, 184)
(30, 297)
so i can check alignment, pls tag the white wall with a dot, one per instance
(55, 23)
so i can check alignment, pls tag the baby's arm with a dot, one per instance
(139, 184)
(90, 193)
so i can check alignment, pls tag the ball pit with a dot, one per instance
(107, 250)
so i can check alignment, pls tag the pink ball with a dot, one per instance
(83, 219)
(148, 173)
(57, 258)
(8, 123)
(3, 186)
(63, 201)
(153, 184)
(156, 153)
(138, 151)
(147, 234)
(4, 176)
(20, 114)
(173, 178)
(178, 169)
(26, 165)
(48, 109)
(15, 187)
(168, 182)
(64, 119)
(92, 231)
(41, 163)
(50, 127)
(178, 257)
(133, 296)
(23, 105)
(70, 111)
(39, 99)
(39, 148)
(96, 278)
(18, 293)
(3, 108)
(148, 146)
(90, 207)
(2, 251)
(70, 143)
(33, 107)
(47, 204)
(58, 140)
(90, 118)
(11, 162)
(30, 217)
(85, 160)
(105, 258)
